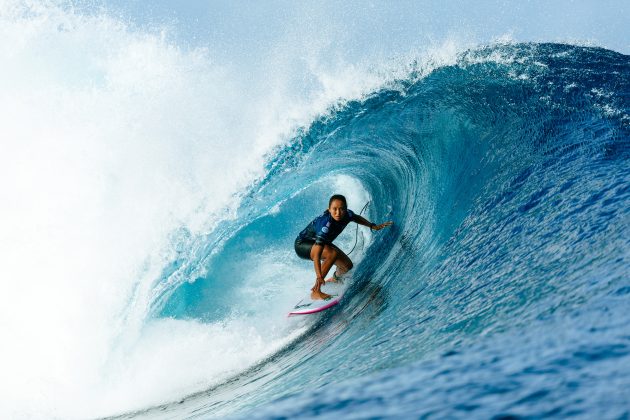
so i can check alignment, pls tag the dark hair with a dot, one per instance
(338, 197)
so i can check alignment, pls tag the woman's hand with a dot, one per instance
(381, 226)
(319, 282)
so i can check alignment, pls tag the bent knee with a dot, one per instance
(344, 264)
(332, 252)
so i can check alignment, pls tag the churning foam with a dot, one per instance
(112, 138)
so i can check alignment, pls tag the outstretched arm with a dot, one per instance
(363, 221)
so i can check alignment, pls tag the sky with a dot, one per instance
(281, 44)
(383, 26)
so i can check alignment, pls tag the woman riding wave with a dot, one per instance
(315, 242)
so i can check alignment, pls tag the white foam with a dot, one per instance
(113, 138)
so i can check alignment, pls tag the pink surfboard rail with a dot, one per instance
(308, 311)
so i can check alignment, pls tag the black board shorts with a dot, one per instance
(303, 247)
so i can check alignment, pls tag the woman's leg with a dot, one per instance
(343, 262)
(330, 255)
(333, 255)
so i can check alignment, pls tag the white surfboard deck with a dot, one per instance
(308, 306)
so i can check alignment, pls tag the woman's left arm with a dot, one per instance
(363, 221)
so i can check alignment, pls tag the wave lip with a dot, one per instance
(507, 162)
(503, 276)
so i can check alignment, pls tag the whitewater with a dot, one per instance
(152, 193)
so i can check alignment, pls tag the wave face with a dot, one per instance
(502, 287)
(152, 206)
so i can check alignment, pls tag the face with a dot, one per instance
(337, 210)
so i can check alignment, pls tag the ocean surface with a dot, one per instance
(503, 287)
(501, 291)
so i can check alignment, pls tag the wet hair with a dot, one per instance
(338, 197)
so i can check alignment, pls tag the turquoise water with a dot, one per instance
(501, 289)
(158, 160)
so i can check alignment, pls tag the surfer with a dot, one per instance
(315, 242)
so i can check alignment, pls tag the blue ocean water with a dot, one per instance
(503, 288)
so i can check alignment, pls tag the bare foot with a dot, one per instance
(318, 295)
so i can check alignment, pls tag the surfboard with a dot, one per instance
(308, 306)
